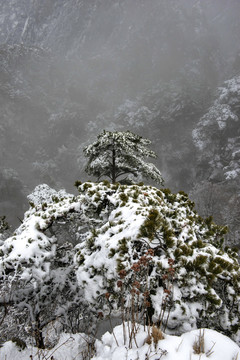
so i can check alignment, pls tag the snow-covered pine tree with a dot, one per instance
(118, 155)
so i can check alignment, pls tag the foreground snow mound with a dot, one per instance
(69, 347)
(205, 344)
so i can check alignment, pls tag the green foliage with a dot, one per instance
(124, 197)
(213, 299)
(44, 206)
(214, 267)
(87, 186)
(200, 260)
(55, 199)
(186, 250)
(106, 183)
(185, 195)
(90, 243)
(224, 264)
(159, 194)
(81, 258)
(168, 234)
(19, 343)
(120, 265)
(198, 244)
(169, 195)
(112, 252)
(77, 183)
(119, 213)
(150, 225)
(209, 220)
(122, 247)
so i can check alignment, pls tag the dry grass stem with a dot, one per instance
(157, 335)
(199, 344)
(179, 345)
(210, 351)
(148, 340)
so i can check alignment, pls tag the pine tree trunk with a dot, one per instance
(38, 334)
(39, 339)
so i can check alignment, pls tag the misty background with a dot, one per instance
(165, 69)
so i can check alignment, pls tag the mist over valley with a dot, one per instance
(167, 70)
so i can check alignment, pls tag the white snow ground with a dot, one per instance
(215, 346)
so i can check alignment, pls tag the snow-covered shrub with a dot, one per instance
(119, 229)
(43, 194)
(206, 278)
(38, 273)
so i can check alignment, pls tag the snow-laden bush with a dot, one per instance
(205, 283)
(138, 248)
(37, 273)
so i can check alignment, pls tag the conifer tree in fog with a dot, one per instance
(117, 155)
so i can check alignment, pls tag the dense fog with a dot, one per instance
(164, 69)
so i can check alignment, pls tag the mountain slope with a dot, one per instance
(71, 68)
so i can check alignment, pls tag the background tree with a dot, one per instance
(118, 154)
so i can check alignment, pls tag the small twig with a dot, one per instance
(236, 357)
(169, 310)
(210, 352)
(179, 345)
(110, 321)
